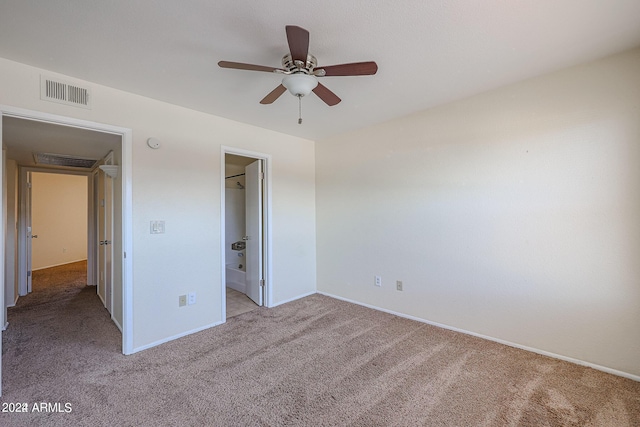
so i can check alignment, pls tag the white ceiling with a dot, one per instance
(428, 52)
(22, 138)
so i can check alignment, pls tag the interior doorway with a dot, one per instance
(245, 228)
(24, 133)
(58, 223)
(46, 229)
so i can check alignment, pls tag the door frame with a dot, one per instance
(126, 135)
(266, 221)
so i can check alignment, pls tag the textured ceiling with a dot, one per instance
(428, 52)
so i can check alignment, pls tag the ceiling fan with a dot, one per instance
(301, 70)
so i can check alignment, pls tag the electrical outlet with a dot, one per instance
(399, 285)
(182, 300)
(378, 281)
(192, 298)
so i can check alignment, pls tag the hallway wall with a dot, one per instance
(59, 219)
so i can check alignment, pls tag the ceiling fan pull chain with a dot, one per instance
(299, 109)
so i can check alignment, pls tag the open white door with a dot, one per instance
(254, 179)
(104, 209)
(108, 242)
(101, 230)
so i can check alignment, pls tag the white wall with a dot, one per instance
(59, 209)
(513, 214)
(180, 184)
(234, 219)
(11, 216)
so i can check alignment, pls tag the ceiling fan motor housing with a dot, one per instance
(292, 66)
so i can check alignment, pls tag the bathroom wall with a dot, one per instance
(234, 225)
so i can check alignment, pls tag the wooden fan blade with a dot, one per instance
(273, 95)
(250, 67)
(354, 69)
(326, 95)
(298, 39)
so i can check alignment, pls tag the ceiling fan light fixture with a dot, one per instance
(300, 84)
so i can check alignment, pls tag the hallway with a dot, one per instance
(60, 322)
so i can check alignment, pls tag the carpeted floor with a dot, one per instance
(312, 362)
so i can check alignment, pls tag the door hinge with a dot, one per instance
(261, 282)
(261, 175)
(28, 185)
(28, 274)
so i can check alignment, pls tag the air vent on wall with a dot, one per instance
(63, 160)
(55, 90)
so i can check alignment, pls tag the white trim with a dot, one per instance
(240, 287)
(116, 323)
(499, 341)
(3, 219)
(295, 298)
(12, 304)
(58, 265)
(223, 249)
(21, 254)
(175, 337)
(127, 201)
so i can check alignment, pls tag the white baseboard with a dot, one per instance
(174, 337)
(193, 331)
(498, 340)
(113, 319)
(293, 299)
(58, 265)
(240, 287)
(15, 301)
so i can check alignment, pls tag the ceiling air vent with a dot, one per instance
(55, 90)
(63, 160)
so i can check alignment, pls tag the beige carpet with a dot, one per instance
(313, 362)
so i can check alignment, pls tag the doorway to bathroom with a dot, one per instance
(245, 233)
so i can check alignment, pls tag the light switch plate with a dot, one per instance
(157, 227)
